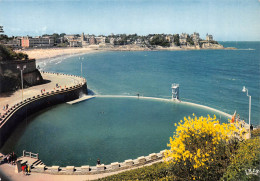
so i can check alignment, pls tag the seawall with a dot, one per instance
(18, 112)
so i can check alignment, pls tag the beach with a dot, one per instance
(48, 53)
(41, 54)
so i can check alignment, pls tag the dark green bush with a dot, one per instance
(255, 133)
(246, 163)
(154, 172)
(7, 54)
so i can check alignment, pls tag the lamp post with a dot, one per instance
(21, 68)
(82, 58)
(246, 90)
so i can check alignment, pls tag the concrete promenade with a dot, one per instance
(8, 171)
(12, 98)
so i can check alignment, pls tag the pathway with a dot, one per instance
(12, 98)
(8, 171)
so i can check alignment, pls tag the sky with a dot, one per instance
(226, 20)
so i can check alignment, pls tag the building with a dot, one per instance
(169, 38)
(70, 37)
(183, 39)
(28, 42)
(112, 41)
(82, 37)
(14, 43)
(100, 40)
(138, 41)
(75, 43)
(209, 37)
(92, 40)
(195, 37)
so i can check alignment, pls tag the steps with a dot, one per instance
(37, 162)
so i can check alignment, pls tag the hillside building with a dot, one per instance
(183, 39)
(209, 37)
(28, 42)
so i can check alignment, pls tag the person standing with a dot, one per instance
(24, 169)
(98, 161)
(8, 158)
(27, 169)
(14, 158)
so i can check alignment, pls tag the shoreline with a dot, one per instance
(51, 53)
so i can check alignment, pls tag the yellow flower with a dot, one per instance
(206, 132)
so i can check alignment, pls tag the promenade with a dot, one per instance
(12, 98)
(8, 171)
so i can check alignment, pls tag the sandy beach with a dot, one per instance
(41, 54)
(47, 53)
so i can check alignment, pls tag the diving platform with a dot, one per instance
(80, 99)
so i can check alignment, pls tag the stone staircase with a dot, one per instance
(36, 163)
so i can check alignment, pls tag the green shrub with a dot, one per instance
(255, 133)
(7, 54)
(246, 163)
(156, 171)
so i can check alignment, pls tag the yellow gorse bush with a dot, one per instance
(197, 141)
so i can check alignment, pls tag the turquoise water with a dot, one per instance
(112, 129)
(115, 129)
(210, 77)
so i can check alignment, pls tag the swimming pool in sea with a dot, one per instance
(112, 129)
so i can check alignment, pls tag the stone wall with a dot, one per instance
(100, 169)
(10, 76)
(11, 66)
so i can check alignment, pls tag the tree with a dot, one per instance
(62, 34)
(55, 37)
(107, 40)
(1, 29)
(190, 40)
(160, 40)
(245, 165)
(201, 148)
(7, 54)
(177, 39)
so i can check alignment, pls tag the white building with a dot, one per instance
(209, 37)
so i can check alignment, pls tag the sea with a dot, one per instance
(116, 129)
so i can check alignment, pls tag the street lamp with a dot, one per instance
(82, 58)
(246, 90)
(21, 68)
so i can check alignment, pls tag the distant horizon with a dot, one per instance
(233, 20)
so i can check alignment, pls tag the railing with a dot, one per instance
(30, 154)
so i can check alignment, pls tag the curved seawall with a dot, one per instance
(19, 111)
(168, 100)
